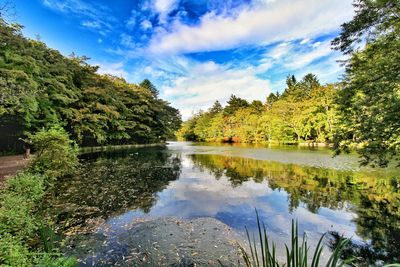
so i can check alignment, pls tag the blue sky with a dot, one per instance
(196, 51)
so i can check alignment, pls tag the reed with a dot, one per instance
(263, 253)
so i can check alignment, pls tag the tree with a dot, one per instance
(372, 19)
(39, 87)
(7, 10)
(272, 98)
(216, 108)
(149, 86)
(369, 103)
(235, 103)
(306, 113)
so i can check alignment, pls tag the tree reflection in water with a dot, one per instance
(374, 196)
(111, 183)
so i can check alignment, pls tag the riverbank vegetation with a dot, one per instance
(303, 112)
(39, 87)
(26, 236)
(263, 252)
(361, 112)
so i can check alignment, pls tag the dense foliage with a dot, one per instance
(56, 155)
(40, 87)
(25, 236)
(303, 113)
(369, 104)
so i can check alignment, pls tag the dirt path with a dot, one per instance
(9, 165)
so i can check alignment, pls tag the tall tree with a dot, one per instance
(149, 86)
(369, 103)
(216, 108)
(235, 103)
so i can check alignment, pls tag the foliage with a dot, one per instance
(370, 100)
(20, 223)
(24, 240)
(18, 201)
(39, 87)
(55, 154)
(13, 252)
(305, 112)
(297, 255)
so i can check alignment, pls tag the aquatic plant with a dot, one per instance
(297, 255)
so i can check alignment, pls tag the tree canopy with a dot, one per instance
(369, 104)
(39, 87)
(303, 113)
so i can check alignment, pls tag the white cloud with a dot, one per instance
(305, 40)
(280, 50)
(146, 24)
(303, 58)
(127, 40)
(203, 83)
(131, 22)
(164, 7)
(91, 24)
(116, 69)
(270, 22)
(95, 17)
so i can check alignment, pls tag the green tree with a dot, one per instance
(39, 87)
(369, 103)
(234, 103)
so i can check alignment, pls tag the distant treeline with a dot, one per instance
(40, 87)
(304, 112)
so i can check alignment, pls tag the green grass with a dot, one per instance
(263, 252)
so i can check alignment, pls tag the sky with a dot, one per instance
(196, 51)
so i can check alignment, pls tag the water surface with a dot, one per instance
(190, 180)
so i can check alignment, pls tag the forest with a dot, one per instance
(304, 112)
(39, 88)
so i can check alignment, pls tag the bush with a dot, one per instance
(55, 153)
(13, 252)
(21, 224)
(18, 200)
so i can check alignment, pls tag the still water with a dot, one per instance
(227, 182)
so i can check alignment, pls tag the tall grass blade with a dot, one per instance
(296, 254)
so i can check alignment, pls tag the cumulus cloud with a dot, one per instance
(204, 83)
(268, 22)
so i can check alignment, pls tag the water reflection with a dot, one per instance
(190, 182)
(374, 200)
(112, 183)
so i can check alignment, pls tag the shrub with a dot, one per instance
(13, 252)
(18, 200)
(55, 153)
(54, 260)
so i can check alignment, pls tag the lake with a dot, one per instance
(227, 182)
